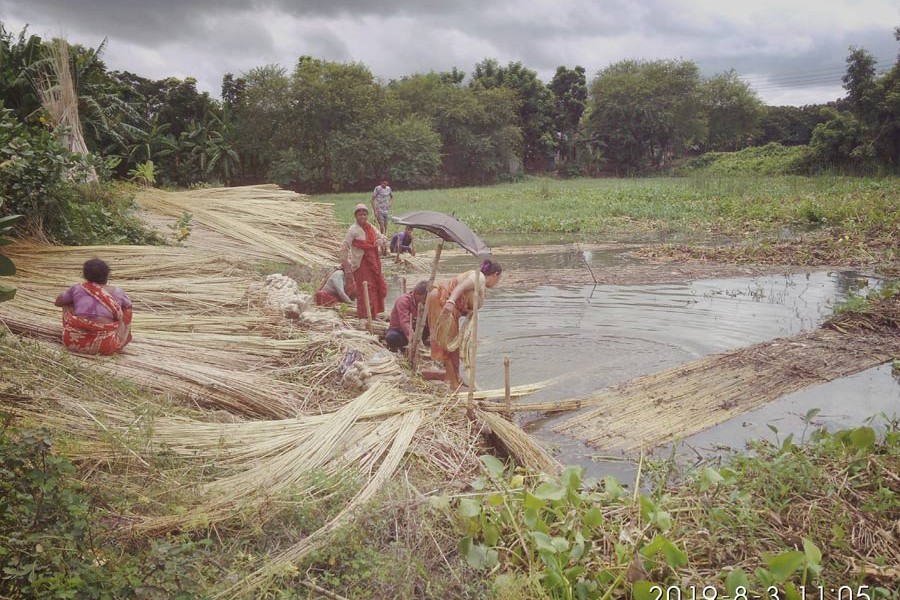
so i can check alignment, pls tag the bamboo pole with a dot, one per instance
(368, 306)
(420, 324)
(507, 390)
(473, 351)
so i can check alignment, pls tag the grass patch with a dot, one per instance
(705, 203)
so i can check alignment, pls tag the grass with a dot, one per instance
(603, 206)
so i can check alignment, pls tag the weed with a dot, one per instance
(759, 523)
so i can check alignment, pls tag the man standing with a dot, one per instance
(382, 202)
(403, 318)
(360, 257)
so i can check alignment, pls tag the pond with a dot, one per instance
(587, 338)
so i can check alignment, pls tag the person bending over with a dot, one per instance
(403, 318)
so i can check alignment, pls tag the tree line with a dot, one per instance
(324, 125)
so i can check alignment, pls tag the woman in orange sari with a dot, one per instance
(447, 302)
(96, 316)
(360, 253)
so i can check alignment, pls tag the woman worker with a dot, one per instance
(96, 316)
(447, 302)
(360, 253)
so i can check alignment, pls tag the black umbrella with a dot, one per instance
(446, 227)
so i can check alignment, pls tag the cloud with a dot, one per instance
(764, 40)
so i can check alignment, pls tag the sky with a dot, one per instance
(792, 52)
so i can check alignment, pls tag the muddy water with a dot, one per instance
(841, 404)
(593, 337)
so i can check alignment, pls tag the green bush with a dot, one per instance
(771, 159)
(38, 180)
(51, 546)
(96, 214)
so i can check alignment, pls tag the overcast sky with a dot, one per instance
(791, 51)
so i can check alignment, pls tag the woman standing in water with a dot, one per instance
(449, 301)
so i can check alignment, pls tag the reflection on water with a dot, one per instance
(841, 404)
(593, 337)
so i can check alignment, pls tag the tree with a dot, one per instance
(789, 125)
(644, 110)
(330, 99)
(569, 87)
(477, 127)
(733, 111)
(860, 82)
(536, 103)
(17, 55)
(263, 120)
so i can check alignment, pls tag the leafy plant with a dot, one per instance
(7, 268)
(144, 174)
(182, 227)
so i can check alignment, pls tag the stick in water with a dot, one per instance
(508, 394)
(368, 305)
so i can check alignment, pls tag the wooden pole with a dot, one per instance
(506, 373)
(420, 324)
(403, 284)
(473, 351)
(368, 305)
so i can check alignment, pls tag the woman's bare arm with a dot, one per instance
(61, 300)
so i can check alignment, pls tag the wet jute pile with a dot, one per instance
(674, 404)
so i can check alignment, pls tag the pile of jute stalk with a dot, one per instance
(254, 223)
(673, 404)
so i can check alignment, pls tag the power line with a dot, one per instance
(800, 78)
(802, 72)
(810, 82)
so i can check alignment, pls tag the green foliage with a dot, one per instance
(39, 180)
(645, 110)
(771, 159)
(733, 111)
(182, 228)
(857, 304)
(551, 529)
(727, 204)
(535, 103)
(579, 537)
(100, 214)
(865, 138)
(789, 125)
(7, 268)
(35, 168)
(144, 174)
(569, 87)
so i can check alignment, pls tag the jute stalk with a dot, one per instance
(368, 306)
(470, 406)
(420, 324)
(508, 395)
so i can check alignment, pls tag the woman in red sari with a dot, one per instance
(96, 316)
(361, 252)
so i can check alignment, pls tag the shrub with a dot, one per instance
(771, 159)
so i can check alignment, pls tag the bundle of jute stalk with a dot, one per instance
(672, 404)
(254, 222)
